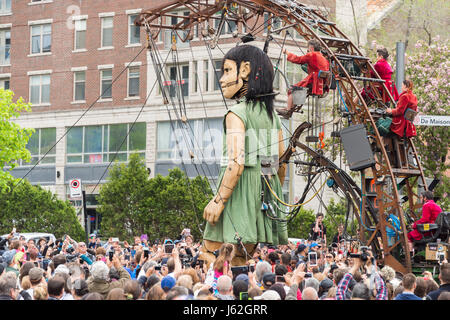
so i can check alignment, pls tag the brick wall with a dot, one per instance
(62, 57)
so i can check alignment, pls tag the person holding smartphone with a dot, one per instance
(99, 279)
(318, 229)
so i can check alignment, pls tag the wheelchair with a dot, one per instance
(434, 232)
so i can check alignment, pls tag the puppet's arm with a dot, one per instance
(235, 139)
(283, 166)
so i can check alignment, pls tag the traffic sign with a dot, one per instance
(75, 188)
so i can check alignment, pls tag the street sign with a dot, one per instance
(75, 188)
(438, 121)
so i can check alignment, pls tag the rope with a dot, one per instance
(291, 205)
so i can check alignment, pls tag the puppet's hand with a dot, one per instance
(213, 211)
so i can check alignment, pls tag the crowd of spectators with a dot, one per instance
(171, 270)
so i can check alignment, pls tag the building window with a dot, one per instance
(228, 26)
(133, 81)
(79, 89)
(218, 74)
(168, 34)
(97, 144)
(4, 83)
(276, 81)
(134, 31)
(106, 83)
(206, 75)
(5, 6)
(275, 23)
(80, 34)
(40, 143)
(107, 32)
(294, 72)
(40, 89)
(41, 38)
(5, 46)
(175, 82)
(194, 77)
(204, 140)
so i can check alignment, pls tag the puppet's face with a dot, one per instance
(231, 81)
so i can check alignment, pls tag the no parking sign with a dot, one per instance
(75, 188)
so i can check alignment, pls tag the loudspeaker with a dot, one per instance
(357, 147)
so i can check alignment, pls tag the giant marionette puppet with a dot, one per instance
(252, 145)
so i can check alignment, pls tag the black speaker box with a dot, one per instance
(357, 148)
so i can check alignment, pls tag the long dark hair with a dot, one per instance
(260, 82)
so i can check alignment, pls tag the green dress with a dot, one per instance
(242, 213)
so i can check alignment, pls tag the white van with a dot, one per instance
(34, 236)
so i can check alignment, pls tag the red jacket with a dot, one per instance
(384, 70)
(406, 100)
(430, 212)
(316, 62)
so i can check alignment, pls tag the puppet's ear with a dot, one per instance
(244, 70)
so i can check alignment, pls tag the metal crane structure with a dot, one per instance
(397, 164)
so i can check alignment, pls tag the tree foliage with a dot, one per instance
(132, 204)
(335, 216)
(413, 20)
(299, 226)
(428, 67)
(13, 138)
(33, 209)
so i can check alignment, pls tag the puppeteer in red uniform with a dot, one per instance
(407, 99)
(316, 63)
(385, 72)
(430, 212)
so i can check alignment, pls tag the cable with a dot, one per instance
(123, 141)
(287, 204)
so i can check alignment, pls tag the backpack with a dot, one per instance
(443, 222)
(25, 295)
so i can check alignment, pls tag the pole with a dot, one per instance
(85, 216)
(400, 65)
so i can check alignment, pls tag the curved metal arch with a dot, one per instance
(336, 45)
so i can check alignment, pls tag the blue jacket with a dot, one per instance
(407, 296)
(434, 295)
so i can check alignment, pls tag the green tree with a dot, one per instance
(428, 67)
(33, 209)
(13, 138)
(335, 216)
(299, 226)
(132, 204)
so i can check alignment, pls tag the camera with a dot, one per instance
(146, 252)
(186, 260)
(158, 267)
(364, 255)
(237, 270)
(70, 250)
(111, 255)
